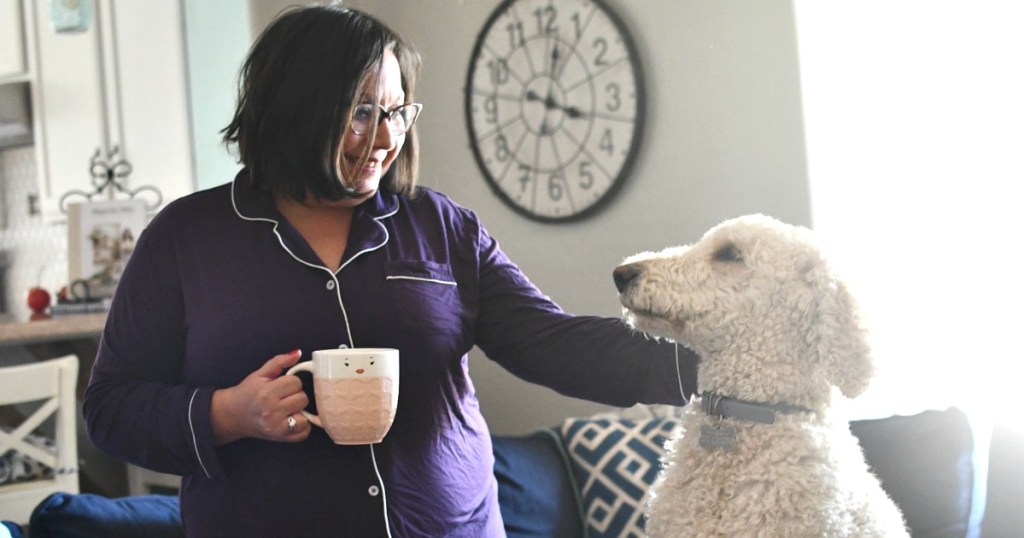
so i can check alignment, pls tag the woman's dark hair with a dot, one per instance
(296, 90)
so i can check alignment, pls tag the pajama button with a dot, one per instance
(330, 284)
(373, 491)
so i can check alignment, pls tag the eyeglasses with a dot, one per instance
(399, 119)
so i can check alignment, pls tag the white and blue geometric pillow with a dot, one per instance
(614, 462)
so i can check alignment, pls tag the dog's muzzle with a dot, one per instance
(625, 275)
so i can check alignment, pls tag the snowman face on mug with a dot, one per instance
(363, 365)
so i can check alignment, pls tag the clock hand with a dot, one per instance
(551, 104)
(569, 110)
(573, 112)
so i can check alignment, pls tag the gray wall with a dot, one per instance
(723, 137)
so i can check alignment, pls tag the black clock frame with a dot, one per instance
(638, 131)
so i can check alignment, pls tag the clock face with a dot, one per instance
(554, 106)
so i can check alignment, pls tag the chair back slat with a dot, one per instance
(29, 382)
(16, 438)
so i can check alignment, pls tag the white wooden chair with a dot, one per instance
(144, 482)
(53, 383)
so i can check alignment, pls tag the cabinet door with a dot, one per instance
(71, 125)
(121, 83)
(12, 57)
(153, 129)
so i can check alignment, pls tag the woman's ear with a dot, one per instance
(840, 338)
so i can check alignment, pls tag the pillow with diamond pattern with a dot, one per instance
(614, 462)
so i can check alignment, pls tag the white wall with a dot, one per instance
(723, 137)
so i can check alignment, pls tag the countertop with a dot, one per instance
(63, 327)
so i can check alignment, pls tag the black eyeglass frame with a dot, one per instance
(386, 115)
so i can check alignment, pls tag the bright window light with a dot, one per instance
(914, 124)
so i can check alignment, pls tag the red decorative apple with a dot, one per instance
(38, 298)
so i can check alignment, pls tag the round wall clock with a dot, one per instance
(554, 106)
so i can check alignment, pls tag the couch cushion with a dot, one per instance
(535, 489)
(934, 467)
(88, 515)
(614, 464)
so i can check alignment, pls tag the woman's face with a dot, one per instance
(384, 147)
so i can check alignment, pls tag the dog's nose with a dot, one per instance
(624, 275)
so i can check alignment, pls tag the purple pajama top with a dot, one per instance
(220, 282)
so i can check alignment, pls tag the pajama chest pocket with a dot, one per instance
(425, 296)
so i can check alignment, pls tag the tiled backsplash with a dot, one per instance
(37, 252)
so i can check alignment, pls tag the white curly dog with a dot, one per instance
(760, 454)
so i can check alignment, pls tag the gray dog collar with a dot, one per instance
(722, 406)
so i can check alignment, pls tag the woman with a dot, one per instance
(324, 240)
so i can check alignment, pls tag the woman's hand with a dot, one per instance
(260, 405)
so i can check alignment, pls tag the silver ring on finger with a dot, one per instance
(292, 423)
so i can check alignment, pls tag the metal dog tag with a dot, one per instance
(721, 437)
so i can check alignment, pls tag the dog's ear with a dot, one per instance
(837, 333)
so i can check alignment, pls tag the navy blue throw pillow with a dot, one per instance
(87, 515)
(929, 465)
(535, 492)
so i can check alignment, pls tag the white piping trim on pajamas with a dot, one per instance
(195, 444)
(334, 275)
(434, 280)
(337, 290)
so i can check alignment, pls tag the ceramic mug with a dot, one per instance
(356, 391)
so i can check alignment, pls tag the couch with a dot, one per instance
(587, 478)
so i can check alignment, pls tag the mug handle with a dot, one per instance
(305, 367)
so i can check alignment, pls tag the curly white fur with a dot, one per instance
(757, 301)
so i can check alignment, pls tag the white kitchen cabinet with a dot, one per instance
(121, 83)
(12, 55)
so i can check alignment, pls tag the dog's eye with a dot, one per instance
(728, 253)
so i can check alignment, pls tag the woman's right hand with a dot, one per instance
(260, 405)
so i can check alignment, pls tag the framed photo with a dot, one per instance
(101, 238)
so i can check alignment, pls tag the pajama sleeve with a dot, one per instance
(588, 357)
(136, 405)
